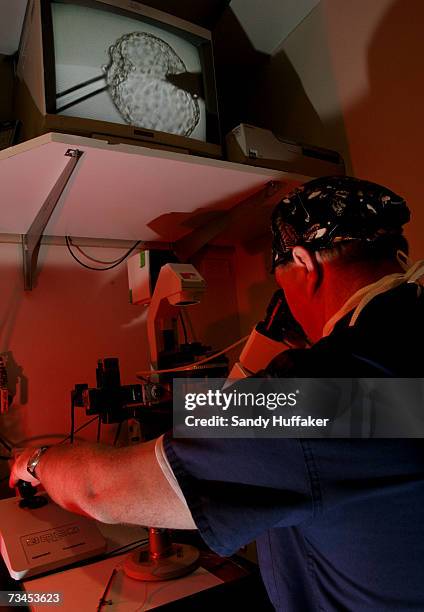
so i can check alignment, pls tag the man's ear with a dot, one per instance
(311, 267)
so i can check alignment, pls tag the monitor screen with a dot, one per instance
(129, 69)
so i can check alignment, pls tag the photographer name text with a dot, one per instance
(257, 422)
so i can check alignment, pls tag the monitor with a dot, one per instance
(120, 70)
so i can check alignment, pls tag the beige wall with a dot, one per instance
(376, 50)
(350, 78)
(54, 335)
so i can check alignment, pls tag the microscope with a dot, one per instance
(278, 332)
(175, 286)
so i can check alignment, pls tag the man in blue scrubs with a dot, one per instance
(339, 523)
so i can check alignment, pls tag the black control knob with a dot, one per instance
(30, 499)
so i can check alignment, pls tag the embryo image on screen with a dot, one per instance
(118, 69)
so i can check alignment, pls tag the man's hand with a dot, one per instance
(18, 467)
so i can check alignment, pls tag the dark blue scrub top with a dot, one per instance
(339, 523)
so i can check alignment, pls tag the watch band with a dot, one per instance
(34, 460)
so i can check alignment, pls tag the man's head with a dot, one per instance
(332, 236)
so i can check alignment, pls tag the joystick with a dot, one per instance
(30, 499)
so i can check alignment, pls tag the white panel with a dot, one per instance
(12, 14)
(120, 191)
(267, 22)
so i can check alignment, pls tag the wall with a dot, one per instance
(53, 336)
(349, 78)
(376, 51)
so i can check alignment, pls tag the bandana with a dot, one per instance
(328, 210)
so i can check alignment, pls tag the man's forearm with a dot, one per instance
(113, 485)
(72, 476)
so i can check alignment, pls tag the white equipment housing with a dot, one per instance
(247, 144)
(33, 541)
(177, 285)
(257, 353)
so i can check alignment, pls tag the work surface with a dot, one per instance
(219, 583)
(82, 588)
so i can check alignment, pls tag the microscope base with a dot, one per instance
(33, 541)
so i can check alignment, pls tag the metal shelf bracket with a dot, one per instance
(32, 239)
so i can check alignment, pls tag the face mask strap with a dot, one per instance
(404, 260)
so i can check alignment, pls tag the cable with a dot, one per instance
(103, 601)
(189, 325)
(78, 429)
(114, 265)
(71, 435)
(183, 325)
(81, 263)
(6, 445)
(134, 544)
(99, 429)
(117, 434)
(61, 441)
(99, 261)
(92, 560)
(193, 365)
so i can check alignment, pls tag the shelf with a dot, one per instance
(64, 185)
(121, 192)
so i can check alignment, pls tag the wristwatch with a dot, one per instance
(34, 460)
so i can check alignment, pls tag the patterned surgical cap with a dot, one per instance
(328, 210)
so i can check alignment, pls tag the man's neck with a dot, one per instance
(342, 282)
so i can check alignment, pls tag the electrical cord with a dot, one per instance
(91, 258)
(61, 441)
(131, 545)
(114, 265)
(189, 325)
(6, 445)
(191, 366)
(71, 435)
(123, 549)
(118, 433)
(183, 325)
(78, 429)
(99, 429)
(103, 601)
